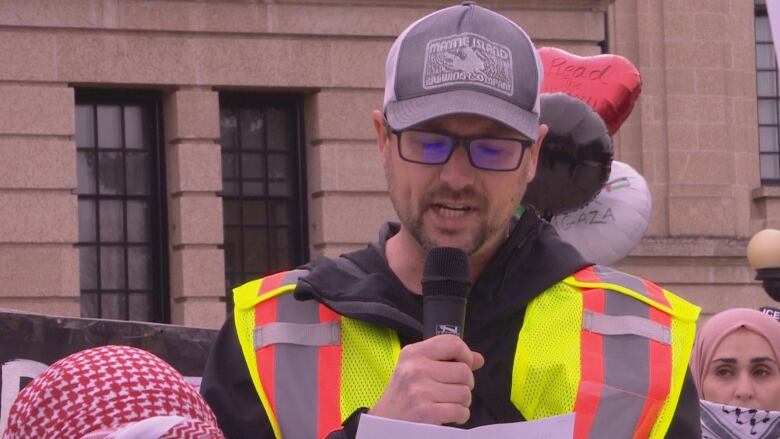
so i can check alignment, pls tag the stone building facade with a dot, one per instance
(70, 67)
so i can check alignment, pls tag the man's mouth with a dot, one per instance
(451, 212)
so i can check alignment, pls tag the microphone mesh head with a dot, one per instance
(446, 272)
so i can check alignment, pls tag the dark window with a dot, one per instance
(264, 189)
(122, 246)
(768, 99)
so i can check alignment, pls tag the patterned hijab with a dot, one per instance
(111, 392)
(723, 324)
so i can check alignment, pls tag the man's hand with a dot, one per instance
(432, 382)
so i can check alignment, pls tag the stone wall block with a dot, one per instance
(50, 306)
(335, 166)
(38, 217)
(36, 109)
(37, 163)
(114, 58)
(136, 15)
(689, 109)
(28, 56)
(712, 81)
(715, 137)
(766, 199)
(337, 114)
(199, 312)
(747, 166)
(224, 17)
(685, 136)
(677, 27)
(558, 25)
(743, 56)
(329, 19)
(263, 61)
(741, 83)
(367, 212)
(186, 60)
(745, 112)
(710, 26)
(720, 271)
(709, 54)
(701, 168)
(679, 81)
(38, 271)
(191, 114)
(194, 167)
(700, 216)
(358, 63)
(197, 271)
(195, 219)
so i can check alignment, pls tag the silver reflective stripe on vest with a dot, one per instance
(633, 283)
(292, 276)
(316, 334)
(623, 325)
(626, 373)
(295, 372)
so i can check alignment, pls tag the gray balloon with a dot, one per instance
(574, 159)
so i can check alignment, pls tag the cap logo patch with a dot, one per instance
(468, 59)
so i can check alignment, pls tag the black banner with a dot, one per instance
(31, 342)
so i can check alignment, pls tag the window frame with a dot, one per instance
(299, 229)
(761, 11)
(159, 290)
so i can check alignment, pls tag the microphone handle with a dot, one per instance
(443, 315)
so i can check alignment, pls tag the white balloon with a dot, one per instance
(605, 230)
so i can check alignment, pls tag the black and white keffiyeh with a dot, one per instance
(720, 421)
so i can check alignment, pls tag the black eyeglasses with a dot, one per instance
(434, 148)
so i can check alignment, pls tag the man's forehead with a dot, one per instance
(468, 124)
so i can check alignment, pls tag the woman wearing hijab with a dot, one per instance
(736, 367)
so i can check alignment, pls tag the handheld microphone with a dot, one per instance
(445, 287)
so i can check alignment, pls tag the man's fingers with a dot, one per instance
(452, 394)
(432, 382)
(444, 347)
(448, 413)
(451, 372)
(478, 360)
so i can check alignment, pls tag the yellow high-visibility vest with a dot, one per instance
(597, 343)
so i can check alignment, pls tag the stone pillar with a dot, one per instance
(347, 191)
(194, 210)
(39, 269)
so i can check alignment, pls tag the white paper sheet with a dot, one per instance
(558, 427)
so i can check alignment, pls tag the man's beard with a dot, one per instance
(412, 219)
(417, 228)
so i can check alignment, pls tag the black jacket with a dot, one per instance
(532, 259)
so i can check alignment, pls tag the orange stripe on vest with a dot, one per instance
(329, 381)
(592, 366)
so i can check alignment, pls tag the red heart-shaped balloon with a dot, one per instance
(610, 84)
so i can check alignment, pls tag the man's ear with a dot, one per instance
(381, 131)
(532, 154)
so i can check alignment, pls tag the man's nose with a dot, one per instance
(458, 172)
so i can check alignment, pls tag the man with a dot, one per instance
(308, 351)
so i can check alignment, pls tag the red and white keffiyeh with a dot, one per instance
(111, 392)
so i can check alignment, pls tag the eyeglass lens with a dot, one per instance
(435, 148)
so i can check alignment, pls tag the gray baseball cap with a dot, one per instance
(464, 59)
